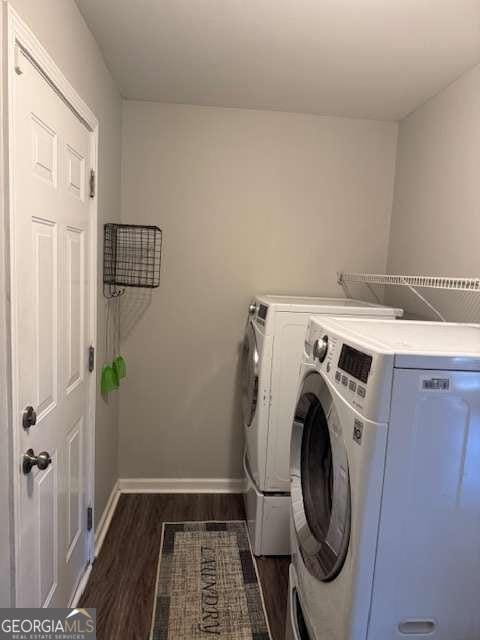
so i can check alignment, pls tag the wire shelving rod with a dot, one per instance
(446, 283)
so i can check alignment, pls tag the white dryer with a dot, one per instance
(272, 355)
(385, 482)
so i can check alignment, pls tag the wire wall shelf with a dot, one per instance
(131, 257)
(445, 283)
(427, 282)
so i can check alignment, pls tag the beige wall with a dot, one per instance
(248, 201)
(436, 215)
(63, 32)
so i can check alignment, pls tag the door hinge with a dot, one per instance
(89, 518)
(91, 359)
(92, 183)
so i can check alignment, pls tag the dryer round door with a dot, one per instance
(320, 482)
(250, 361)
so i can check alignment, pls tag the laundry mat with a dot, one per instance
(207, 584)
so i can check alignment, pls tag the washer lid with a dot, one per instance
(341, 306)
(414, 344)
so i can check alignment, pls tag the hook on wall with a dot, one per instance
(112, 291)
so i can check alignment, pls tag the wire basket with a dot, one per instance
(131, 257)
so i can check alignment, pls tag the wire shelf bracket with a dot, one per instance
(470, 285)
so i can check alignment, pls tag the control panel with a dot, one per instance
(351, 384)
(262, 313)
(258, 312)
(347, 368)
(362, 376)
(354, 362)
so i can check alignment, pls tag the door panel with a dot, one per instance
(430, 517)
(45, 305)
(320, 484)
(75, 312)
(75, 173)
(250, 360)
(46, 490)
(44, 146)
(74, 487)
(51, 271)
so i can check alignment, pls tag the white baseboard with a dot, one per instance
(181, 485)
(107, 515)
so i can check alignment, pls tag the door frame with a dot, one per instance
(20, 36)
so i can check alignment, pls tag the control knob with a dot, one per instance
(320, 349)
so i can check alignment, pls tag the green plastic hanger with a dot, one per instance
(109, 379)
(119, 365)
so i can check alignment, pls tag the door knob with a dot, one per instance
(31, 460)
(29, 417)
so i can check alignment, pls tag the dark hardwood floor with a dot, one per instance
(122, 582)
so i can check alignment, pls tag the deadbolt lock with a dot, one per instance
(29, 417)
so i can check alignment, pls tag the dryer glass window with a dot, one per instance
(250, 363)
(320, 481)
(317, 471)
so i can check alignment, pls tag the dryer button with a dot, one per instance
(338, 376)
(361, 391)
(352, 386)
(344, 381)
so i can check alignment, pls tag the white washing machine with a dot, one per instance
(272, 355)
(385, 482)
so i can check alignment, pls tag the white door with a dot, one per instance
(51, 263)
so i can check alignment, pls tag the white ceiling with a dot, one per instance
(360, 58)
